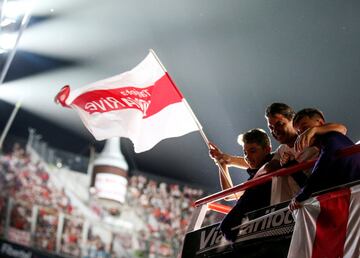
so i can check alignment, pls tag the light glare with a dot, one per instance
(7, 21)
(8, 41)
(14, 9)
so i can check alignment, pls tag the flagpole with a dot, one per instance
(202, 133)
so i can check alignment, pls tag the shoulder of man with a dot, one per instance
(334, 140)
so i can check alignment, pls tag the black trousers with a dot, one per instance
(252, 199)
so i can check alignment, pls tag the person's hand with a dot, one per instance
(285, 158)
(305, 139)
(217, 155)
(294, 205)
(214, 151)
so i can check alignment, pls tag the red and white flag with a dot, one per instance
(142, 104)
(328, 226)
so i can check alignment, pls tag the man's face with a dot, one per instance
(281, 128)
(255, 154)
(306, 122)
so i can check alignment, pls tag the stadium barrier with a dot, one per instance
(273, 224)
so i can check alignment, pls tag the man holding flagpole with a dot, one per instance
(257, 151)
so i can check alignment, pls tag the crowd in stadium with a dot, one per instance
(23, 179)
(164, 209)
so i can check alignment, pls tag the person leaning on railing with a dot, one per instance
(257, 151)
(329, 170)
(279, 118)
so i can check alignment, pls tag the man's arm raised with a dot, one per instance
(224, 161)
(307, 138)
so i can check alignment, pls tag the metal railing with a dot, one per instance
(266, 178)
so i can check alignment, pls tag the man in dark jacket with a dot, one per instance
(329, 170)
(257, 148)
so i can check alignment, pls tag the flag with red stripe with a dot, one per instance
(328, 226)
(142, 104)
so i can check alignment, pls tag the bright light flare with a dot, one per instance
(15, 9)
(8, 40)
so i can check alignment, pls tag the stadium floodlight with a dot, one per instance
(15, 15)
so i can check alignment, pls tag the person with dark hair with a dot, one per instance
(307, 137)
(277, 108)
(280, 117)
(329, 169)
(257, 151)
(254, 136)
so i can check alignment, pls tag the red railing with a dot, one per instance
(266, 178)
(219, 207)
